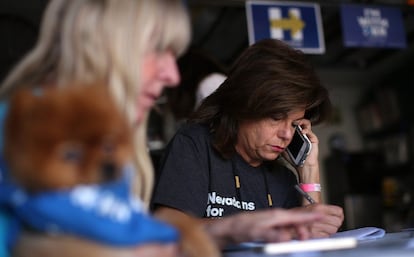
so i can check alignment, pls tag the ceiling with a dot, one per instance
(220, 28)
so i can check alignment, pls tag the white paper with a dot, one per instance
(364, 233)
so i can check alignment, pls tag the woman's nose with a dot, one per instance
(286, 132)
(169, 72)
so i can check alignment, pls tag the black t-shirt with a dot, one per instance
(194, 178)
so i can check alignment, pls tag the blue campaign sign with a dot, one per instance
(298, 24)
(372, 26)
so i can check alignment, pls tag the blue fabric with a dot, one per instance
(3, 234)
(104, 213)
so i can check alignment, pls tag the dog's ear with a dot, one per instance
(20, 105)
(24, 104)
(21, 101)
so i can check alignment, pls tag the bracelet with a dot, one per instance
(310, 187)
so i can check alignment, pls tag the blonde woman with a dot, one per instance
(111, 41)
(131, 46)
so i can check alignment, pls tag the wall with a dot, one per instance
(345, 88)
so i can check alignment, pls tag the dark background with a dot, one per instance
(375, 182)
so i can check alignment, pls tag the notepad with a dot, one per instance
(324, 244)
(365, 233)
(350, 239)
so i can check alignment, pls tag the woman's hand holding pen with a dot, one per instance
(332, 218)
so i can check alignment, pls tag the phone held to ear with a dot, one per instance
(299, 147)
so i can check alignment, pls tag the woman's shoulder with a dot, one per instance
(194, 134)
(194, 130)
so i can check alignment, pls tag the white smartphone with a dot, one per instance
(299, 147)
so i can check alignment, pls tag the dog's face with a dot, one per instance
(65, 137)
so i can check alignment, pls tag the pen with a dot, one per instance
(304, 194)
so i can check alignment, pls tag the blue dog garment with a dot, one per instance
(105, 213)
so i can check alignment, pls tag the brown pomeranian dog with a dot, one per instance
(57, 138)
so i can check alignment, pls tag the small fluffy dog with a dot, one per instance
(57, 138)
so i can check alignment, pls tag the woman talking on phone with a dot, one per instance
(229, 157)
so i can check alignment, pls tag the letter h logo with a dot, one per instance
(292, 23)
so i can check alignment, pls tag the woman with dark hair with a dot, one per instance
(229, 157)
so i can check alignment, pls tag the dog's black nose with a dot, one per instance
(109, 171)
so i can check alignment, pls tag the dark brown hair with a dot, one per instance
(268, 80)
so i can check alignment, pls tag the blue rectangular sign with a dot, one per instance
(298, 24)
(372, 26)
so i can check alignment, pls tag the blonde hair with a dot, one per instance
(85, 41)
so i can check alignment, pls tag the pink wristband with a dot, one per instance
(310, 187)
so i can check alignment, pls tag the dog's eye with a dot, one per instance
(72, 155)
(71, 152)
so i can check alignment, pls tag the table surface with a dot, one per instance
(398, 244)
